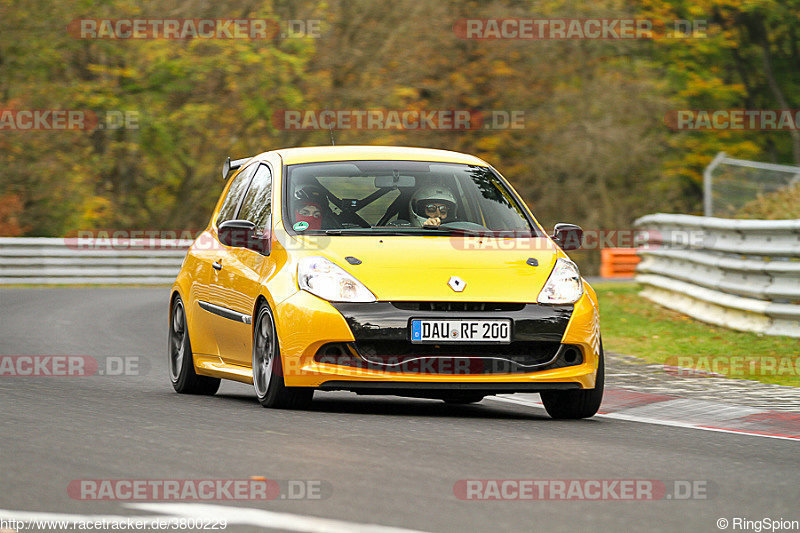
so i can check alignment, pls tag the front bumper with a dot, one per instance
(378, 332)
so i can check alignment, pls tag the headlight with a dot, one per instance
(564, 286)
(322, 278)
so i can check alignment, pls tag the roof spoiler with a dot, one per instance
(229, 165)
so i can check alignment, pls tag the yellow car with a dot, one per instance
(383, 270)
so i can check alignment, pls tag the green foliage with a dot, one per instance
(745, 56)
(594, 149)
(778, 205)
(193, 103)
(635, 326)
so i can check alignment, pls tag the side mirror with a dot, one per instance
(567, 236)
(243, 234)
(226, 168)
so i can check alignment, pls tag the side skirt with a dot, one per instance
(211, 365)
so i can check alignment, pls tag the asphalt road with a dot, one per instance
(381, 460)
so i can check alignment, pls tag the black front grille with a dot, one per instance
(404, 357)
(390, 321)
(522, 352)
(459, 306)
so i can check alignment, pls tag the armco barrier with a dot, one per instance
(742, 274)
(56, 261)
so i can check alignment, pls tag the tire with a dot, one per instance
(463, 399)
(268, 382)
(574, 404)
(180, 358)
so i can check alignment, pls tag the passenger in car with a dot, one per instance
(311, 213)
(307, 206)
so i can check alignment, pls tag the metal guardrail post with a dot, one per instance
(708, 205)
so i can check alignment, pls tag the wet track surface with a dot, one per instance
(382, 460)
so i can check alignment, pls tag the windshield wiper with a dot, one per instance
(496, 234)
(459, 231)
(422, 230)
(369, 231)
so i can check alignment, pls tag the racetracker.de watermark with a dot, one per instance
(60, 366)
(398, 119)
(194, 28)
(733, 119)
(134, 239)
(582, 489)
(578, 29)
(704, 366)
(176, 240)
(67, 119)
(255, 488)
(592, 239)
(368, 364)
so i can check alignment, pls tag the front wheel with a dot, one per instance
(181, 362)
(268, 369)
(574, 404)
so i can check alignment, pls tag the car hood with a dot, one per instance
(418, 268)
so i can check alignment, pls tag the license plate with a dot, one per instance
(425, 330)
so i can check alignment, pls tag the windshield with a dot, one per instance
(400, 197)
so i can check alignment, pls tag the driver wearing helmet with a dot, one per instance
(307, 205)
(432, 205)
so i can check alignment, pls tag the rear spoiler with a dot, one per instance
(229, 165)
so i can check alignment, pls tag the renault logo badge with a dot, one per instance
(456, 283)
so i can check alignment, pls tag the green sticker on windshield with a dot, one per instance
(300, 226)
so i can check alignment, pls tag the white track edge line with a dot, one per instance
(655, 421)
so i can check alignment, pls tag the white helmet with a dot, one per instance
(428, 193)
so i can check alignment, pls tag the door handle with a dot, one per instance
(217, 265)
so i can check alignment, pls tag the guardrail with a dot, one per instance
(63, 261)
(741, 274)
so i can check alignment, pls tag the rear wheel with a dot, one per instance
(181, 362)
(575, 404)
(268, 382)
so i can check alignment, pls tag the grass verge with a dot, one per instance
(633, 325)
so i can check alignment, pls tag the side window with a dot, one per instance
(257, 206)
(235, 192)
